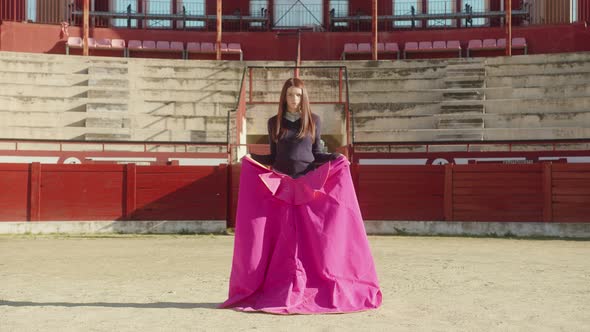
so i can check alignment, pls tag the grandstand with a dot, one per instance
(477, 120)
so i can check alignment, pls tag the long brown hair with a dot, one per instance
(307, 123)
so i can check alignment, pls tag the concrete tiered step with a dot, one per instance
(462, 111)
(108, 98)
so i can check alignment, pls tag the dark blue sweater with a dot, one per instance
(291, 155)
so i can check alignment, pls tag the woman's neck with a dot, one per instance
(292, 116)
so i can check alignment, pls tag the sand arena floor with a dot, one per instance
(173, 283)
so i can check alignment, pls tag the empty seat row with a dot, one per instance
(365, 48)
(103, 43)
(155, 46)
(435, 46)
(492, 44)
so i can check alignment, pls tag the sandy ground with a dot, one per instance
(173, 283)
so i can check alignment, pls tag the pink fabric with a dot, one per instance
(300, 244)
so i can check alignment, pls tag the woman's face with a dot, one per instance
(294, 95)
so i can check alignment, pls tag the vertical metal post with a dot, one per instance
(374, 31)
(508, 27)
(86, 26)
(218, 43)
(340, 85)
(298, 61)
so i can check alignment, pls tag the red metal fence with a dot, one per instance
(35, 192)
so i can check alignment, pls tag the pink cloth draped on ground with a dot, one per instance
(300, 244)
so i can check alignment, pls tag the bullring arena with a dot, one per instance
(123, 122)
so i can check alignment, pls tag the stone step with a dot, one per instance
(537, 80)
(462, 108)
(459, 136)
(161, 95)
(183, 108)
(102, 71)
(534, 69)
(461, 123)
(497, 134)
(395, 84)
(108, 82)
(376, 109)
(466, 83)
(189, 84)
(106, 137)
(463, 95)
(106, 107)
(43, 79)
(559, 91)
(103, 93)
(94, 122)
(474, 71)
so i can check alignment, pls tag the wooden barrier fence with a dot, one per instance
(476, 192)
(541, 192)
(41, 192)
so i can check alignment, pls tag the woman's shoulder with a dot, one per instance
(315, 117)
(272, 120)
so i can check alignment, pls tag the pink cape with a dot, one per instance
(300, 244)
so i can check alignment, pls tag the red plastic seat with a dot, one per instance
(364, 47)
(74, 42)
(234, 47)
(411, 46)
(117, 43)
(454, 44)
(135, 44)
(176, 45)
(439, 45)
(91, 42)
(162, 45)
(148, 45)
(103, 43)
(474, 44)
(391, 47)
(489, 43)
(520, 42)
(425, 45)
(207, 48)
(193, 47)
(350, 47)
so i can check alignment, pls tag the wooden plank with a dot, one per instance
(497, 168)
(496, 191)
(496, 176)
(130, 194)
(571, 182)
(77, 195)
(448, 193)
(14, 190)
(571, 191)
(547, 193)
(582, 199)
(572, 175)
(35, 193)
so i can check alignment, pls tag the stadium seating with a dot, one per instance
(155, 46)
(101, 43)
(365, 49)
(437, 46)
(209, 48)
(491, 44)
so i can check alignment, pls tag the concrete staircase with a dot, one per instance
(462, 110)
(97, 98)
(100, 98)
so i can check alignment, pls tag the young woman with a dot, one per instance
(294, 134)
(300, 242)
